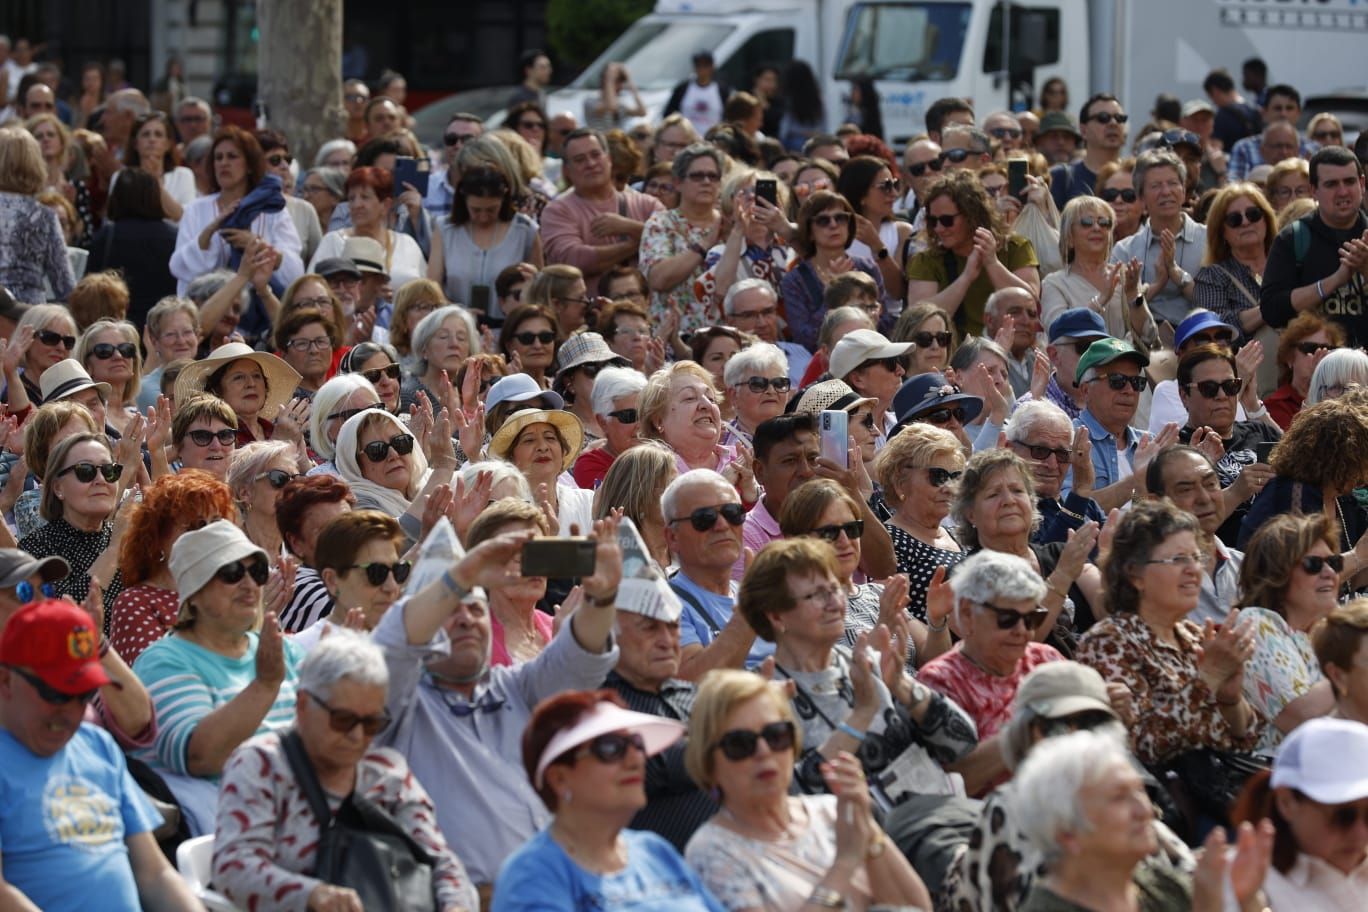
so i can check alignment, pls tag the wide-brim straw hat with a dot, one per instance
(281, 379)
(568, 425)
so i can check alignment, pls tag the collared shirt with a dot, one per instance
(760, 529)
(1220, 588)
(1056, 394)
(1189, 249)
(1019, 372)
(1314, 884)
(1058, 518)
(706, 613)
(1247, 155)
(1107, 468)
(440, 194)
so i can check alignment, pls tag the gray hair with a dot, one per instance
(500, 471)
(342, 655)
(334, 179)
(754, 359)
(428, 326)
(979, 140)
(194, 101)
(834, 318)
(614, 383)
(40, 315)
(1033, 414)
(171, 305)
(202, 288)
(329, 396)
(128, 100)
(197, 149)
(685, 158)
(1341, 367)
(972, 348)
(743, 286)
(1156, 158)
(331, 146)
(669, 500)
(251, 460)
(1076, 208)
(994, 304)
(1045, 792)
(988, 575)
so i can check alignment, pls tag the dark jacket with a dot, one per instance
(142, 249)
(1348, 306)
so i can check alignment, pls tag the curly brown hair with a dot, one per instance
(962, 187)
(1274, 552)
(1301, 328)
(1140, 531)
(1337, 426)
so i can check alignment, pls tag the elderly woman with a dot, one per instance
(146, 609)
(267, 828)
(1086, 235)
(203, 436)
(559, 289)
(585, 754)
(1116, 187)
(53, 337)
(484, 234)
(614, 400)
(48, 426)
(1340, 371)
(860, 423)
(356, 557)
(1302, 345)
(1188, 683)
(929, 328)
(306, 337)
(1289, 582)
(757, 385)
(679, 407)
(965, 228)
(543, 444)
(767, 849)
(378, 363)
(581, 359)
(337, 400)
(1289, 181)
(256, 385)
(214, 680)
(754, 248)
(370, 200)
(791, 596)
(1241, 227)
(412, 303)
(527, 341)
(826, 227)
(324, 188)
(634, 483)
(518, 631)
(376, 456)
(675, 242)
(109, 351)
(256, 476)
(172, 332)
(33, 254)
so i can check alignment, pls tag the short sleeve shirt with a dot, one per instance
(931, 267)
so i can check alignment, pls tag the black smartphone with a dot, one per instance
(408, 170)
(559, 558)
(767, 189)
(479, 298)
(1263, 450)
(1016, 176)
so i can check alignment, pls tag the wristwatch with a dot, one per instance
(883, 253)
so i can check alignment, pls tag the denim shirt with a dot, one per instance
(1106, 465)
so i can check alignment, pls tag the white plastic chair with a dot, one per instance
(195, 861)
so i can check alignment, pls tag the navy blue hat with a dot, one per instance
(929, 391)
(1196, 322)
(1078, 323)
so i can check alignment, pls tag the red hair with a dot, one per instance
(868, 144)
(192, 494)
(303, 494)
(378, 179)
(551, 716)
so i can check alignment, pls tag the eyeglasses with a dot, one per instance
(1181, 138)
(891, 185)
(945, 221)
(378, 450)
(233, 573)
(812, 186)
(1007, 619)
(275, 160)
(741, 743)
(1106, 117)
(1314, 563)
(455, 139)
(1328, 137)
(321, 343)
(51, 695)
(1112, 194)
(889, 364)
(356, 96)
(959, 156)
(531, 125)
(85, 472)
(1215, 337)
(852, 530)
(1179, 560)
(48, 337)
(201, 437)
(1005, 133)
(105, 350)
(1310, 348)
(343, 721)
(1087, 221)
(827, 219)
(917, 169)
(545, 337)
(393, 371)
(760, 384)
(624, 416)
(755, 314)
(1210, 388)
(704, 518)
(939, 477)
(1041, 453)
(320, 302)
(377, 573)
(704, 177)
(927, 339)
(1119, 382)
(612, 747)
(1252, 216)
(945, 416)
(25, 592)
(278, 478)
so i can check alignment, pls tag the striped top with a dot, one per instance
(309, 603)
(187, 682)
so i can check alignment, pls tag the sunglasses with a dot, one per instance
(892, 185)
(1251, 216)
(454, 139)
(867, 420)
(920, 168)
(1326, 137)
(545, 337)
(1209, 388)
(760, 384)
(1181, 138)
(1005, 133)
(377, 573)
(1313, 563)
(1310, 348)
(1042, 453)
(25, 592)
(612, 747)
(827, 219)
(1119, 382)
(530, 125)
(1342, 816)
(1111, 195)
(945, 416)
(704, 177)
(48, 337)
(226, 437)
(51, 695)
(343, 721)
(378, 450)
(277, 159)
(704, 518)
(233, 573)
(939, 478)
(927, 339)
(853, 530)
(591, 370)
(85, 472)
(959, 156)
(945, 221)
(348, 414)
(393, 371)
(1107, 117)
(624, 416)
(1008, 619)
(1087, 221)
(741, 743)
(105, 350)
(278, 478)
(889, 364)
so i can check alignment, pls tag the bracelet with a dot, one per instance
(607, 601)
(1260, 412)
(826, 898)
(1320, 289)
(104, 646)
(882, 254)
(939, 628)
(1050, 587)
(456, 588)
(846, 728)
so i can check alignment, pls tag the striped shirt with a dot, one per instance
(309, 603)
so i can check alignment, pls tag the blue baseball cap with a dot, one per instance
(926, 392)
(1199, 321)
(1078, 323)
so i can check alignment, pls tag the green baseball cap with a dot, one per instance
(1105, 351)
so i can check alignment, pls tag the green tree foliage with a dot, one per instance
(579, 30)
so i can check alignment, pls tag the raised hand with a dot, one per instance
(469, 501)
(1224, 651)
(12, 350)
(291, 420)
(270, 656)
(1080, 460)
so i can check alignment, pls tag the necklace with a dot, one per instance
(586, 859)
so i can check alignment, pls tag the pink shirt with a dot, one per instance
(498, 652)
(760, 529)
(987, 698)
(567, 233)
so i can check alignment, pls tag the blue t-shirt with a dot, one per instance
(64, 819)
(694, 628)
(540, 876)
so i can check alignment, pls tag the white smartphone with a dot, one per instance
(835, 434)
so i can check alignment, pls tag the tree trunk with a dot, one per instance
(300, 71)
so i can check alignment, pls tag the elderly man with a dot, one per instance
(194, 118)
(593, 225)
(1069, 336)
(1021, 308)
(1042, 434)
(122, 110)
(76, 825)
(870, 364)
(966, 146)
(615, 397)
(703, 519)
(1282, 108)
(460, 722)
(460, 129)
(752, 306)
(1110, 374)
(1057, 138)
(1005, 131)
(1104, 131)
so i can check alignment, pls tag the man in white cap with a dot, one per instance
(871, 366)
(68, 379)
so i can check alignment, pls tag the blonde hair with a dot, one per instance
(46, 421)
(22, 169)
(414, 292)
(912, 448)
(655, 398)
(721, 691)
(1217, 247)
(524, 156)
(129, 332)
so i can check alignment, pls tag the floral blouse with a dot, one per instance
(1175, 711)
(668, 233)
(1284, 667)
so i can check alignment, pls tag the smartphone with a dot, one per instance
(1016, 176)
(559, 558)
(767, 189)
(1263, 450)
(479, 298)
(835, 437)
(409, 170)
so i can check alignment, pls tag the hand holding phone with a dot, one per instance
(835, 437)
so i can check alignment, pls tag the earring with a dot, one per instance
(566, 796)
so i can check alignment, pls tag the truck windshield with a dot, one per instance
(658, 53)
(904, 41)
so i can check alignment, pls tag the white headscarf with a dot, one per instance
(387, 500)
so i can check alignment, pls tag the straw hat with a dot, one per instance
(281, 379)
(66, 378)
(568, 425)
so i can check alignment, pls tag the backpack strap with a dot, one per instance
(1301, 242)
(697, 606)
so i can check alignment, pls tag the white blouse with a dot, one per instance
(189, 262)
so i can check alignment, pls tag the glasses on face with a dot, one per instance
(1311, 348)
(1328, 137)
(994, 190)
(1111, 195)
(960, 156)
(1182, 561)
(454, 139)
(1005, 133)
(867, 420)
(106, 350)
(741, 743)
(851, 530)
(25, 592)
(343, 721)
(1007, 619)
(945, 221)
(812, 186)
(659, 186)
(705, 518)
(1087, 221)
(1106, 117)
(1215, 337)
(321, 302)
(233, 573)
(202, 438)
(1173, 138)
(276, 159)
(891, 185)
(942, 416)
(764, 312)
(348, 414)
(377, 573)
(939, 478)
(889, 364)
(545, 337)
(531, 125)
(356, 98)
(1210, 389)
(378, 450)
(1119, 382)
(48, 337)
(624, 416)
(1314, 563)
(758, 385)
(704, 177)
(51, 695)
(1041, 453)
(1252, 216)
(85, 472)
(827, 219)
(917, 169)
(612, 747)
(278, 478)
(322, 343)
(928, 339)
(374, 374)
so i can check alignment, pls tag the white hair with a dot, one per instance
(251, 460)
(428, 326)
(342, 655)
(743, 286)
(326, 401)
(1033, 414)
(996, 300)
(500, 471)
(988, 575)
(331, 146)
(753, 360)
(1045, 793)
(1340, 367)
(614, 383)
(669, 499)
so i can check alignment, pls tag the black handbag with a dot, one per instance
(1207, 781)
(362, 847)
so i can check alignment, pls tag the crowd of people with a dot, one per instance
(1063, 615)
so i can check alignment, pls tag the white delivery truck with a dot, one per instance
(996, 54)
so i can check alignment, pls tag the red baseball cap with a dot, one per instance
(58, 642)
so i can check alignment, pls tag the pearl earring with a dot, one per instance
(566, 796)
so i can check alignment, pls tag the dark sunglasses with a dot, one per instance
(1007, 618)
(944, 415)
(348, 414)
(393, 371)
(275, 160)
(454, 139)
(889, 364)
(591, 370)
(343, 721)
(1253, 215)
(1328, 137)
(1005, 133)
(531, 125)
(378, 450)
(1087, 221)
(1342, 816)
(1209, 388)
(1181, 138)
(1080, 721)
(278, 478)
(853, 530)
(760, 384)
(85, 472)
(545, 337)
(612, 747)
(1119, 382)
(201, 437)
(1310, 348)
(1313, 563)
(233, 573)
(25, 592)
(927, 339)
(868, 420)
(1042, 453)
(945, 221)
(1112, 194)
(105, 350)
(377, 573)
(624, 416)
(704, 518)
(891, 185)
(51, 695)
(921, 168)
(48, 337)
(741, 743)
(1107, 117)
(959, 156)
(827, 219)
(939, 478)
